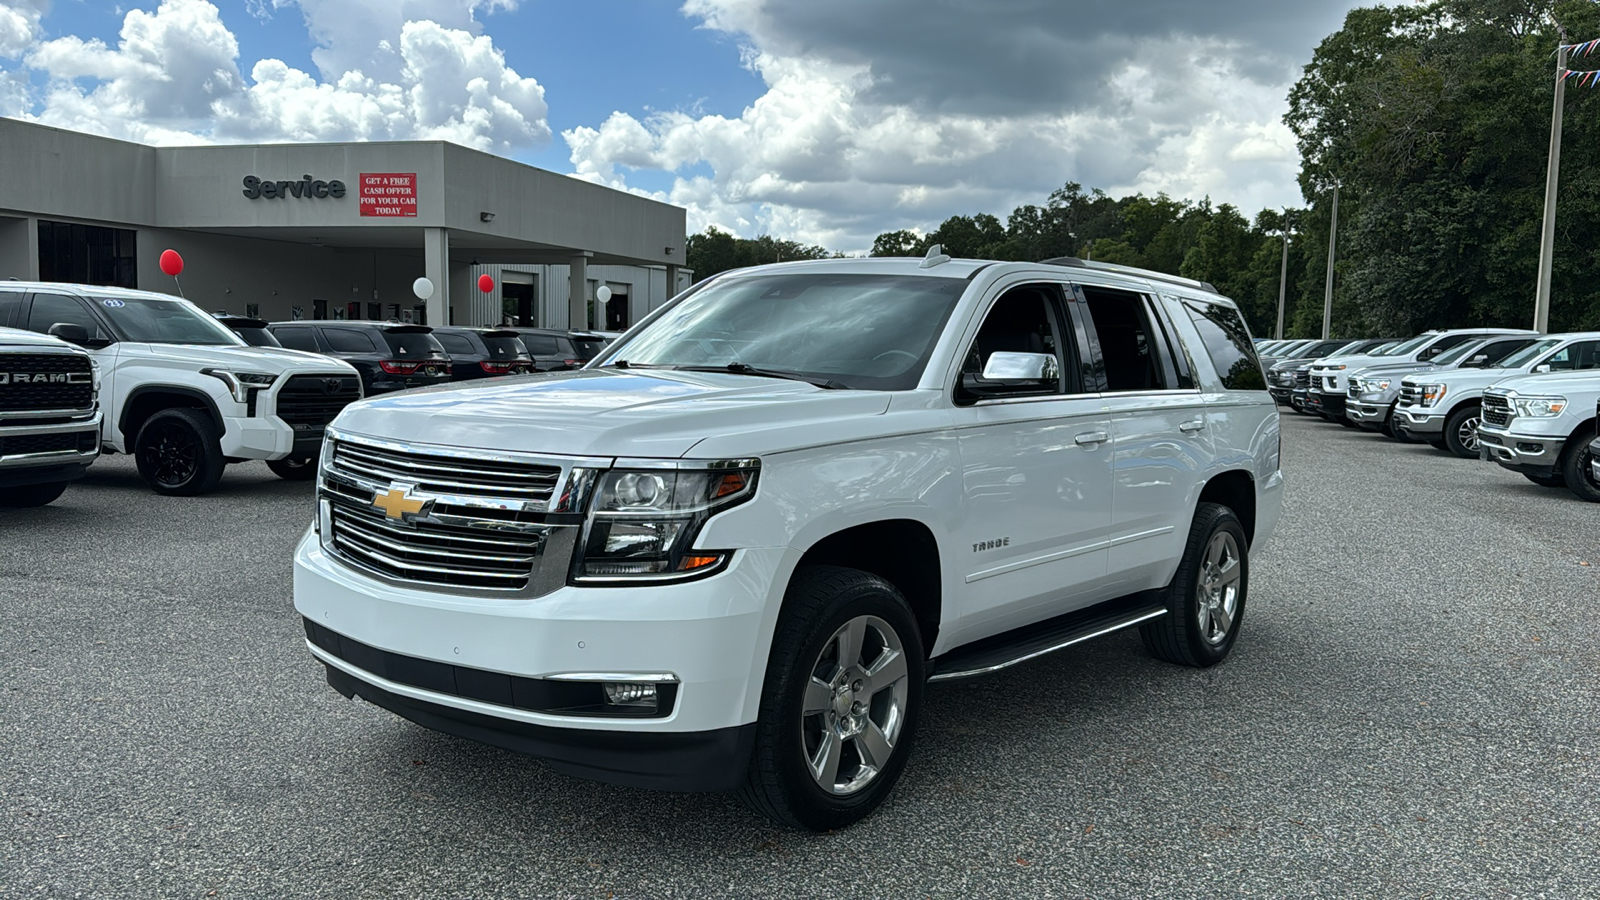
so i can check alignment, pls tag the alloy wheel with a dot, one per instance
(855, 705)
(1467, 433)
(173, 456)
(1218, 588)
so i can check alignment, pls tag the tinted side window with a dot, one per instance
(297, 338)
(10, 307)
(1128, 343)
(50, 309)
(1022, 321)
(1574, 357)
(540, 344)
(1445, 343)
(456, 343)
(1227, 342)
(1494, 351)
(349, 340)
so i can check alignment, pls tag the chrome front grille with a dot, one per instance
(1302, 378)
(483, 521)
(1496, 410)
(1410, 395)
(1355, 389)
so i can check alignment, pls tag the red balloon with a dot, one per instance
(171, 262)
(485, 283)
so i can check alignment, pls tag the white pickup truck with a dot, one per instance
(183, 393)
(728, 553)
(49, 417)
(1543, 426)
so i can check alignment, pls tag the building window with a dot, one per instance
(87, 254)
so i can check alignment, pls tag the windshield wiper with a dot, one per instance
(739, 368)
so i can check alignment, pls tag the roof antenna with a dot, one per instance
(936, 256)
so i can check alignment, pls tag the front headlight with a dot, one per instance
(1432, 394)
(1372, 385)
(1540, 407)
(643, 521)
(240, 384)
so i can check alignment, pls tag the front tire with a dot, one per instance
(1577, 471)
(1555, 480)
(1205, 601)
(303, 468)
(840, 702)
(179, 453)
(29, 496)
(1461, 432)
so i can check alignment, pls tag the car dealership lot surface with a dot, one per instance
(1412, 710)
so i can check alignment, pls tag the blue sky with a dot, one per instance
(827, 121)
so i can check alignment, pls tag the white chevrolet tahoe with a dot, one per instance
(181, 391)
(729, 552)
(49, 417)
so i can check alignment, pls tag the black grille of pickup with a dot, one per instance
(1496, 410)
(1302, 378)
(40, 381)
(74, 441)
(315, 400)
(1410, 395)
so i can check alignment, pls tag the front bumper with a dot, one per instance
(1534, 453)
(711, 635)
(1327, 404)
(1367, 413)
(59, 451)
(1421, 422)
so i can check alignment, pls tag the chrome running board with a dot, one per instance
(1032, 641)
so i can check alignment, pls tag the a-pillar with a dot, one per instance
(672, 280)
(578, 292)
(436, 266)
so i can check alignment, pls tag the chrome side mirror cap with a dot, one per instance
(1007, 366)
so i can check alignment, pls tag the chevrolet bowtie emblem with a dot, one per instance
(398, 503)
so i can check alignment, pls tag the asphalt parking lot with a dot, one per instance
(1412, 711)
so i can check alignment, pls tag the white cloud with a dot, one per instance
(843, 144)
(19, 25)
(174, 77)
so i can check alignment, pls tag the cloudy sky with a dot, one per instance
(826, 121)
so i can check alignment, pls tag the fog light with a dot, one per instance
(627, 693)
(1525, 447)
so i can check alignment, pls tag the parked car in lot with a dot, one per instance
(1443, 406)
(388, 356)
(729, 552)
(49, 414)
(1330, 388)
(1543, 425)
(1283, 372)
(180, 391)
(250, 330)
(590, 343)
(483, 352)
(552, 350)
(1375, 392)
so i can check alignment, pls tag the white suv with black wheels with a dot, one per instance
(182, 392)
(728, 553)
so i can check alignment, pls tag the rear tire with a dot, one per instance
(1550, 481)
(302, 468)
(1461, 432)
(843, 685)
(1576, 469)
(179, 453)
(1440, 445)
(32, 495)
(1205, 601)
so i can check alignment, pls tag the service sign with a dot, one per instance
(389, 194)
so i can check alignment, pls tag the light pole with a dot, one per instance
(1327, 291)
(1283, 276)
(1547, 237)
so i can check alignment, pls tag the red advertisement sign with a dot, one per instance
(388, 194)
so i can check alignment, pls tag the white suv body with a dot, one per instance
(461, 569)
(161, 359)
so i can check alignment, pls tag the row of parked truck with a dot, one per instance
(1524, 400)
(86, 370)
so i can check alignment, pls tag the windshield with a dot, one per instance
(413, 344)
(505, 347)
(1530, 353)
(873, 332)
(1450, 356)
(165, 320)
(1406, 347)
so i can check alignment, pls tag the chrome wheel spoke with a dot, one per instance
(1229, 575)
(851, 639)
(819, 698)
(825, 764)
(888, 670)
(1221, 619)
(874, 746)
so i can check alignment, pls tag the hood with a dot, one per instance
(1571, 385)
(16, 337)
(1394, 367)
(1353, 362)
(267, 360)
(611, 412)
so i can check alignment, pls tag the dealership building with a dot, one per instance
(335, 231)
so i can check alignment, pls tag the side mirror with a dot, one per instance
(1541, 368)
(1023, 367)
(1476, 362)
(71, 332)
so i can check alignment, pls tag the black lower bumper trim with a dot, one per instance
(47, 474)
(664, 761)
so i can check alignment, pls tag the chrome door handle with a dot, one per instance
(1090, 438)
(1192, 427)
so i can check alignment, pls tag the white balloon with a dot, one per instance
(603, 294)
(423, 288)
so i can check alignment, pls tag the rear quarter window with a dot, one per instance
(348, 340)
(1227, 342)
(456, 344)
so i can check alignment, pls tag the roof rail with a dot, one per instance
(1075, 262)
